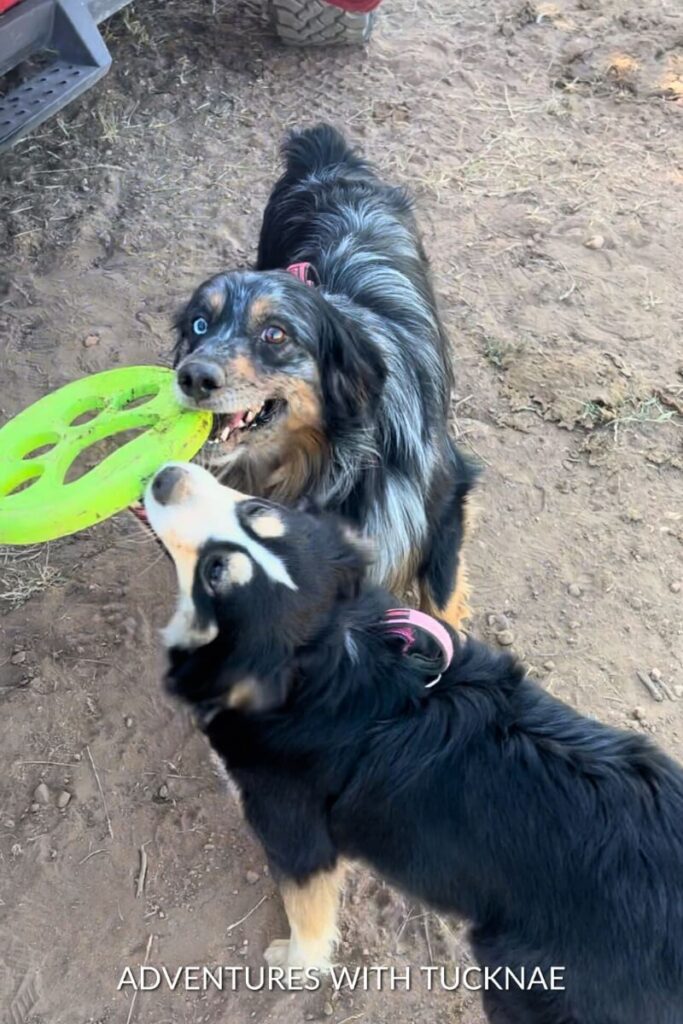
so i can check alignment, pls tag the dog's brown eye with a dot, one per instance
(274, 335)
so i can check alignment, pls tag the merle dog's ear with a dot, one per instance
(179, 345)
(352, 369)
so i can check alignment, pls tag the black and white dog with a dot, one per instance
(559, 838)
(334, 380)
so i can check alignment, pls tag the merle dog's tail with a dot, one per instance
(321, 151)
(316, 160)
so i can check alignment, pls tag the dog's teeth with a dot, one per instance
(248, 417)
(225, 433)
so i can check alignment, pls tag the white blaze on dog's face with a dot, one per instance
(187, 508)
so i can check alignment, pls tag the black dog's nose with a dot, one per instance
(165, 483)
(199, 377)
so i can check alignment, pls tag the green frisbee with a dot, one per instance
(58, 472)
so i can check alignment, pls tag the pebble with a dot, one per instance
(91, 340)
(19, 658)
(41, 794)
(675, 587)
(678, 690)
(505, 638)
(655, 674)
(639, 714)
(163, 791)
(595, 242)
(128, 722)
(549, 666)
(252, 877)
(328, 1010)
(35, 807)
(635, 602)
(63, 799)
(576, 47)
(574, 590)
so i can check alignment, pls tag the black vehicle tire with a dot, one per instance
(316, 23)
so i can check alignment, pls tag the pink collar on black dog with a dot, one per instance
(403, 623)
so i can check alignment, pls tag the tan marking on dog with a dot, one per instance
(242, 366)
(259, 311)
(267, 526)
(216, 300)
(312, 913)
(403, 578)
(302, 443)
(239, 568)
(242, 695)
(304, 405)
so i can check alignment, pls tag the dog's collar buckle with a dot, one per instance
(403, 622)
(306, 272)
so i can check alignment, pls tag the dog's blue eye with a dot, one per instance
(200, 325)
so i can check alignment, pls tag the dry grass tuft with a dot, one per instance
(25, 572)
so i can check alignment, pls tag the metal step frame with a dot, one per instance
(67, 30)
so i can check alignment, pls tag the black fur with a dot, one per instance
(559, 838)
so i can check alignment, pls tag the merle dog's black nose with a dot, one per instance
(198, 378)
(165, 483)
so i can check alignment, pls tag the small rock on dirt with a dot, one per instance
(35, 807)
(163, 792)
(595, 242)
(18, 658)
(91, 340)
(328, 1009)
(574, 590)
(639, 714)
(655, 674)
(675, 587)
(505, 638)
(549, 665)
(252, 877)
(128, 722)
(63, 799)
(41, 794)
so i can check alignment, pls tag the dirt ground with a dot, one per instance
(543, 144)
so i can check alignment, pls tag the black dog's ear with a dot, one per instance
(352, 369)
(211, 677)
(351, 560)
(308, 504)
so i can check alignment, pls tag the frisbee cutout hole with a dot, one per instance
(40, 449)
(138, 400)
(15, 485)
(85, 417)
(96, 453)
